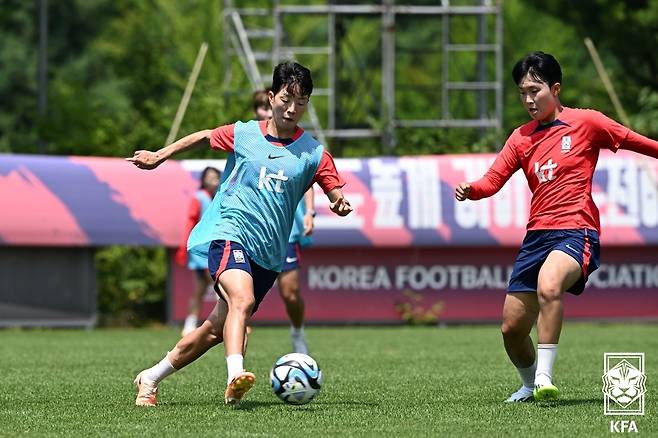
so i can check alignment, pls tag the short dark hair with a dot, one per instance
(205, 172)
(292, 75)
(541, 67)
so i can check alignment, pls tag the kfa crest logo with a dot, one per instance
(566, 144)
(545, 173)
(623, 383)
(272, 182)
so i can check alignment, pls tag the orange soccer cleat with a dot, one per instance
(238, 387)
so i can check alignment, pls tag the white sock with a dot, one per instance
(297, 332)
(191, 321)
(234, 365)
(159, 371)
(528, 375)
(546, 354)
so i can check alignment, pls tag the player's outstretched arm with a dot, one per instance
(309, 201)
(462, 191)
(339, 204)
(150, 160)
(640, 144)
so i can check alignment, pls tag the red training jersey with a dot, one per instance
(558, 160)
(326, 176)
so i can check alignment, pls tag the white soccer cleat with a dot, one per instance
(523, 395)
(147, 391)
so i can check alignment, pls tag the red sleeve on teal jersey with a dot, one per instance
(640, 144)
(506, 163)
(327, 176)
(608, 134)
(223, 138)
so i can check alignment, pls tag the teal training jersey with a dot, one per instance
(298, 225)
(195, 261)
(261, 186)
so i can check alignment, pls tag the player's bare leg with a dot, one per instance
(558, 273)
(186, 351)
(519, 315)
(196, 300)
(291, 295)
(237, 288)
(195, 344)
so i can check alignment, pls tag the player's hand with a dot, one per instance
(146, 160)
(462, 191)
(341, 207)
(308, 224)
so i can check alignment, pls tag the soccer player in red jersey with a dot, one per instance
(557, 152)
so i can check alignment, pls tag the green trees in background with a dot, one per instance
(627, 35)
(117, 70)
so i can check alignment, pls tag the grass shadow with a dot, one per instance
(250, 405)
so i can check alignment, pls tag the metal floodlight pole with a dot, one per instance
(278, 35)
(482, 66)
(388, 74)
(445, 56)
(499, 71)
(331, 105)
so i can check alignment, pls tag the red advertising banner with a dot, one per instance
(387, 285)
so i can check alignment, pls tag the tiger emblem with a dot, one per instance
(624, 383)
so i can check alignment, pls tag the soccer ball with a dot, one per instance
(296, 378)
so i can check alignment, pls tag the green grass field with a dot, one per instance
(379, 381)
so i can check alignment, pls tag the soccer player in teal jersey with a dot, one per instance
(288, 279)
(244, 233)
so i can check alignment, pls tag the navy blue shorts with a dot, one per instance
(582, 245)
(225, 254)
(200, 273)
(293, 257)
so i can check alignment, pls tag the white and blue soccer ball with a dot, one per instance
(296, 378)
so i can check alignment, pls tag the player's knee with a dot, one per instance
(549, 291)
(212, 334)
(243, 303)
(291, 296)
(510, 329)
(214, 337)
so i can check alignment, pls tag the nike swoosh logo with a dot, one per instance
(572, 249)
(291, 259)
(271, 157)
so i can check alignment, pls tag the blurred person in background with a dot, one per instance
(209, 181)
(244, 233)
(557, 150)
(302, 228)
